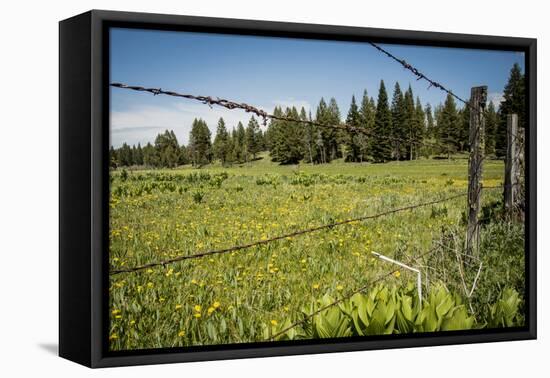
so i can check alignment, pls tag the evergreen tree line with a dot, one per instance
(238, 146)
(397, 129)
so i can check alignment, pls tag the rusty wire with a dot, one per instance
(265, 116)
(283, 236)
(418, 74)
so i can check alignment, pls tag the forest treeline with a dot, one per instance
(396, 128)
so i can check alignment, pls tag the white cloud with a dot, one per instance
(496, 98)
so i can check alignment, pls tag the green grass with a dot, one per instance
(232, 298)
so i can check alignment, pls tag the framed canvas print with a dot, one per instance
(234, 188)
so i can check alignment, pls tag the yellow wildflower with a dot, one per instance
(181, 333)
(274, 322)
(216, 304)
(197, 308)
(178, 306)
(315, 286)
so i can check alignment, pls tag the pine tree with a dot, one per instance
(252, 138)
(410, 122)
(138, 155)
(149, 156)
(133, 153)
(329, 140)
(221, 145)
(334, 137)
(113, 158)
(352, 139)
(234, 154)
(167, 149)
(125, 155)
(380, 142)
(398, 118)
(430, 124)
(514, 102)
(448, 124)
(321, 141)
(200, 143)
(368, 113)
(309, 136)
(287, 138)
(261, 140)
(240, 143)
(419, 127)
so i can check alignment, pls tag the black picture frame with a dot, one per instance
(84, 186)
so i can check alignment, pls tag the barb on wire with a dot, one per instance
(341, 299)
(417, 73)
(208, 100)
(283, 236)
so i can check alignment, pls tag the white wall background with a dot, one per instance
(29, 186)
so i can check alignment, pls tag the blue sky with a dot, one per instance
(267, 72)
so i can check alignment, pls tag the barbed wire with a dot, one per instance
(229, 104)
(341, 299)
(418, 74)
(264, 115)
(283, 236)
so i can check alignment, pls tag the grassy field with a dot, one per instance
(232, 298)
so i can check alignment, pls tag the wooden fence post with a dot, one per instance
(478, 100)
(511, 165)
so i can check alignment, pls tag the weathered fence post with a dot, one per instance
(478, 100)
(511, 165)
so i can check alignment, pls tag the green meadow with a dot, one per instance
(251, 294)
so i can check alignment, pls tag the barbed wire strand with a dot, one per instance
(284, 236)
(418, 74)
(264, 115)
